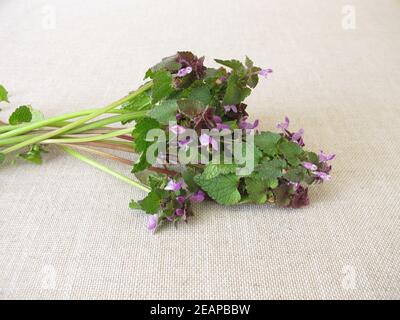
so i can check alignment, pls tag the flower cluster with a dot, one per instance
(195, 98)
(193, 136)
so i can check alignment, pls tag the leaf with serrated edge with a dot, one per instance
(21, 115)
(223, 189)
(164, 112)
(3, 94)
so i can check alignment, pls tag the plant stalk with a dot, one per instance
(104, 168)
(77, 123)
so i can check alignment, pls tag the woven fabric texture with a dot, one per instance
(66, 231)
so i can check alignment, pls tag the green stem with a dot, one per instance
(79, 122)
(104, 168)
(102, 154)
(14, 140)
(89, 139)
(110, 120)
(20, 129)
(49, 122)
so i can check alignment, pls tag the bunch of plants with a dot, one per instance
(193, 137)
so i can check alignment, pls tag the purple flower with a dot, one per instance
(185, 143)
(297, 137)
(325, 157)
(283, 125)
(152, 223)
(309, 166)
(264, 72)
(247, 125)
(300, 197)
(222, 126)
(199, 196)
(230, 107)
(184, 71)
(179, 212)
(181, 199)
(177, 129)
(217, 119)
(322, 175)
(206, 140)
(173, 185)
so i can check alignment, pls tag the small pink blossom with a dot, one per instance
(173, 185)
(230, 107)
(309, 166)
(180, 212)
(181, 199)
(247, 125)
(206, 140)
(283, 125)
(265, 72)
(322, 175)
(177, 129)
(184, 144)
(152, 223)
(184, 71)
(325, 157)
(199, 196)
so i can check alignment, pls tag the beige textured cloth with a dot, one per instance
(65, 228)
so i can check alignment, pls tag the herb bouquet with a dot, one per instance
(192, 136)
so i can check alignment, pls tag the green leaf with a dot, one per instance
(248, 62)
(271, 169)
(282, 196)
(37, 115)
(188, 176)
(162, 85)
(141, 164)
(233, 94)
(144, 176)
(235, 65)
(312, 157)
(134, 205)
(190, 107)
(3, 94)
(201, 93)
(164, 112)
(20, 115)
(267, 142)
(256, 189)
(138, 103)
(252, 80)
(139, 133)
(290, 149)
(2, 158)
(34, 155)
(213, 170)
(295, 174)
(223, 189)
(168, 63)
(150, 204)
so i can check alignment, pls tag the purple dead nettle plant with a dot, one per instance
(183, 125)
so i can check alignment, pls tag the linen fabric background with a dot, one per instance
(66, 231)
